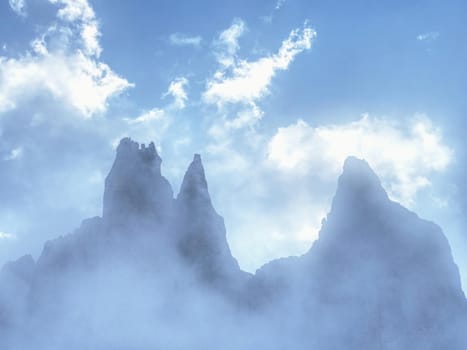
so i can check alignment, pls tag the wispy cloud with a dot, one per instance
(14, 154)
(7, 236)
(177, 91)
(427, 37)
(243, 81)
(155, 114)
(227, 43)
(279, 4)
(18, 6)
(80, 13)
(269, 18)
(238, 85)
(180, 39)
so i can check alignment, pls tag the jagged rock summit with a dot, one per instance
(135, 191)
(138, 198)
(157, 272)
(194, 185)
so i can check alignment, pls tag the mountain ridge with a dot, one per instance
(380, 274)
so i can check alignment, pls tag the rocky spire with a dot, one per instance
(194, 185)
(135, 188)
(201, 231)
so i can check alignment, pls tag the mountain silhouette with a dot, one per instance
(157, 272)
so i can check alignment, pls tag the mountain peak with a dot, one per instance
(194, 183)
(201, 231)
(135, 185)
(357, 168)
(359, 183)
(129, 149)
(197, 158)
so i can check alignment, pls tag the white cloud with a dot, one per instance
(73, 10)
(39, 46)
(90, 35)
(18, 6)
(227, 44)
(81, 13)
(154, 114)
(7, 236)
(269, 18)
(404, 156)
(427, 37)
(83, 83)
(279, 4)
(238, 84)
(177, 91)
(63, 64)
(14, 154)
(179, 39)
(248, 81)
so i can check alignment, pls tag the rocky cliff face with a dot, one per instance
(378, 277)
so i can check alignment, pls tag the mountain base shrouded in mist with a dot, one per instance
(156, 272)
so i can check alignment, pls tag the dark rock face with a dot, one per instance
(378, 277)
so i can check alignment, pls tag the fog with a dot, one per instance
(156, 272)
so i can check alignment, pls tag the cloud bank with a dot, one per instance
(62, 63)
(404, 155)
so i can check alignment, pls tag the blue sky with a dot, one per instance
(273, 94)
